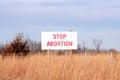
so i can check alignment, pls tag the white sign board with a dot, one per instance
(59, 40)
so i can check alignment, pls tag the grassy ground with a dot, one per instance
(75, 67)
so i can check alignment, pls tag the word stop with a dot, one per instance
(59, 36)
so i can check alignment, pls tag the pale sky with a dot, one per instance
(98, 19)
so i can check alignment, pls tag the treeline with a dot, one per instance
(23, 46)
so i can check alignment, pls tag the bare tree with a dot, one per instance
(97, 43)
(34, 46)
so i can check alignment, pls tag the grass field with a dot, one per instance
(75, 67)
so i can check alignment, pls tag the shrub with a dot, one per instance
(19, 46)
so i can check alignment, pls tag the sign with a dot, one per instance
(59, 40)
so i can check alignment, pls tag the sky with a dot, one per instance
(92, 19)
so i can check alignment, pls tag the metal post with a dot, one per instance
(85, 57)
(85, 64)
(111, 64)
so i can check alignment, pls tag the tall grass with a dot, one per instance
(75, 67)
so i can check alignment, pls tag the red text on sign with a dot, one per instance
(59, 36)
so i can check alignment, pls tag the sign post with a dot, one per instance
(48, 52)
(71, 52)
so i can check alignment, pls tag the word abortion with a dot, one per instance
(59, 43)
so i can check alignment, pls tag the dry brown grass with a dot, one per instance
(40, 67)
